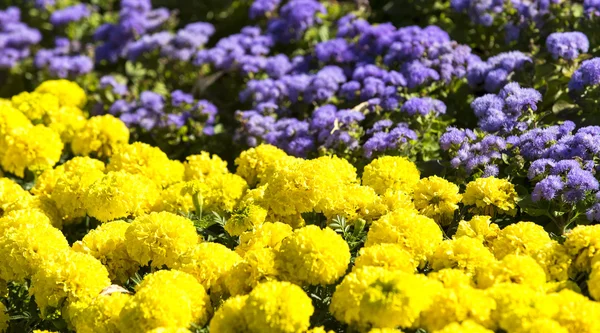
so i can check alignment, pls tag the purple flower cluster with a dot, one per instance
(155, 111)
(70, 14)
(591, 7)
(502, 112)
(472, 151)
(565, 178)
(385, 137)
(423, 106)
(116, 88)
(337, 129)
(16, 38)
(295, 17)
(496, 71)
(588, 74)
(65, 60)
(480, 11)
(260, 8)
(136, 18)
(374, 85)
(567, 45)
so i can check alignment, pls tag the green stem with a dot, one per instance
(198, 201)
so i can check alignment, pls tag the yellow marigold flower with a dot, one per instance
(40, 204)
(313, 256)
(167, 299)
(555, 261)
(396, 299)
(141, 158)
(119, 195)
(523, 238)
(199, 166)
(458, 304)
(593, 282)
(218, 193)
(66, 121)
(160, 239)
(543, 325)
(170, 330)
(244, 219)
(452, 278)
(417, 234)
(437, 198)
(258, 266)
(464, 327)
(512, 268)
(100, 315)
(389, 256)
(100, 136)
(463, 253)
(321, 329)
(107, 243)
(391, 172)
(229, 318)
(35, 105)
(254, 196)
(10, 119)
(35, 148)
(68, 93)
(70, 276)
(517, 305)
(254, 163)
(208, 263)
(554, 287)
(490, 196)
(46, 182)
(576, 313)
(295, 220)
(173, 200)
(71, 189)
(4, 318)
(583, 244)
(382, 330)
(396, 199)
(356, 202)
(277, 307)
(26, 240)
(266, 235)
(480, 227)
(10, 192)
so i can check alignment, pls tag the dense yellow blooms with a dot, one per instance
(555, 261)
(41, 204)
(464, 327)
(46, 182)
(391, 172)
(277, 307)
(170, 330)
(66, 121)
(266, 235)
(220, 192)
(480, 227)
(490, 196)
(168, 299)
(258, 266)
(10, 119)
(203, 165)
(68, 93)
(208, 263)
(119, 195)
(100, 136)
(100, 315)
(34, 148)
(437, 198)
(463, 253)
(576, 313)
(523, 238)
(583, 244)
(254, 163)
(107, 243)
(4, 318)
(313, 256)
(389, 256)
(160, 239)
(143, 159)
(244, 219)
(35, 105)
(173, 200)
(396, 199)
(356, 201)
(229, 318)
(417, 234)
(10, 192)
(71, 189)
(452, 278)
(512, 268)
(543, 325)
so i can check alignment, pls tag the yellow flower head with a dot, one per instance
(314, 256)
(523, 238)
(68, 93)
(258, 266)
(168, 299)
(266, 235)
(555, 261)
(173, 200)
(464, 327)
(35, 105)
(160, 239)
(143, 159)
(66, 121)
(254, 163)
(99, 315)
(583, 244)
(244, 219)
(417, 234)
(199, 166)
(100, 136)
(511, 269)
(437, 198)
(40, 204)
(10, 192)
(107, 243)
(480, 227)
(389, 256)
(391, 172)
(10, 119)
(170, 330)
(277, 307)
(396, 199)
(119, 195)
(576, 313)
(35, 148)
(463, 253)
(452, 278)
(72, 187)
(219, 192)
(229, 318)
(543, 325)
(490, 196)
(356, 202)
(594, 282)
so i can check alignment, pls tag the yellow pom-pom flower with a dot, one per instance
(464, 327)
(160, 239)
(437, 198)
(391, 172)
(119, 195)
(10, 119)
(463, 253)
(512, 268)
(168, 299)
(258, 266)
(100, 136)
(173, 200)
(107, 243)
(555, 261)
(277, 307)
(141, 158)
(229, 318)
(396, 199)
(576, 313)
(170, 330)
(35, 105)
(452, 278)
(66, 121)
(244, 219)
(254, 163)
(490, 196)
(266, 235)
(417, 234)
(356, 202)
(313, 256)
(35, 148)
(100, 315)
(523, 238)
(10, 192)
(72, 187)
(68, 93)
(389, 256)
(219, 193)
(583, 244)
(543, 325)
(40, 204)
(480, 227)
(593, 282)
(203, 165)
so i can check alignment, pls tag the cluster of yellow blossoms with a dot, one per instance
(408, 274)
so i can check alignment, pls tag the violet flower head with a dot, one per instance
(260, 8)
(295, 17)
(567, 45)
(70, 14)
(496, 71)
(588, 74)
(423, 106)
